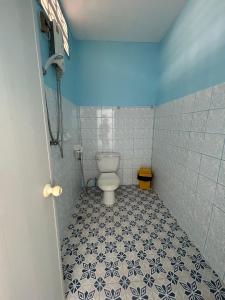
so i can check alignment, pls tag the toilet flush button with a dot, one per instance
(48, 190)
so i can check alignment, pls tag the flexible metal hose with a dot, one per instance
(60, 111)
(82, 173)
(58, 140)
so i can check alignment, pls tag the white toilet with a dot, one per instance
(108, 181)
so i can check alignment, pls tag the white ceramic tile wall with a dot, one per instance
(66, 171)
(189, 166)
(126, 130)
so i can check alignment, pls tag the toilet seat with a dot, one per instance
(108, 181)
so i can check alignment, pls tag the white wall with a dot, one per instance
(189, 165)
(65, 171)
(126, 130)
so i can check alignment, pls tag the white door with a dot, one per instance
(29, 255)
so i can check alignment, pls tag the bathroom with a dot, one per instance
(132, 84)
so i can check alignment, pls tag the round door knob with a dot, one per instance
(56, 191)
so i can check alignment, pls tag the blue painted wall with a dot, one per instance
(68, 86)
(192, 55)
(107, 73)
(115, 73)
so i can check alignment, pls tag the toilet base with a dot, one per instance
(109, 198)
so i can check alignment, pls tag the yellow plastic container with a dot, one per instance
(145, 178)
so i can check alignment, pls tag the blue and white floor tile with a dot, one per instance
(134, 250)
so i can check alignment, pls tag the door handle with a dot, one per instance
(48, 190)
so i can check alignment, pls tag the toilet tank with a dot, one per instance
(108, 162)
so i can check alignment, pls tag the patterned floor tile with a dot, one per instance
(112, 292)
(140, 291)
(133, 250)
(83, 292)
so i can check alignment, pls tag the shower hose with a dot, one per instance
(58, 140)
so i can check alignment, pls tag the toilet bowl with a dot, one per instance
(108, 180)
(108, 183)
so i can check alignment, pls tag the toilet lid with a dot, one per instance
(108, 181)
